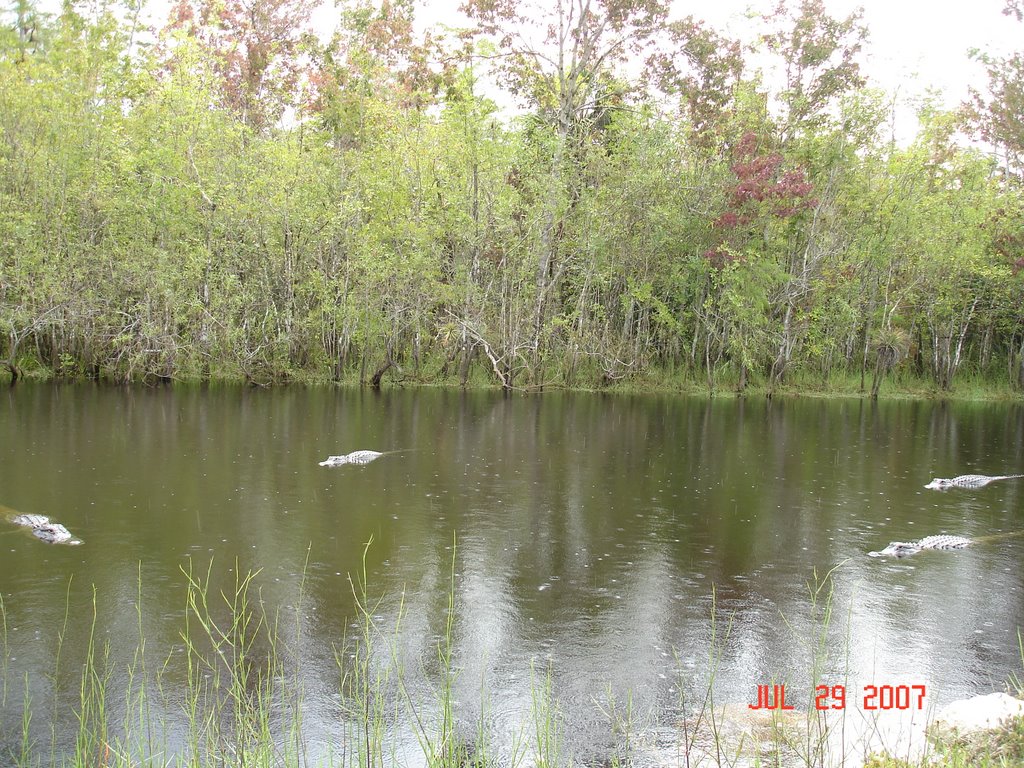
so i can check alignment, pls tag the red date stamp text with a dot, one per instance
(874, 697)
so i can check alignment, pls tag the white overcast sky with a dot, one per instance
(924, 40)
(914, 45)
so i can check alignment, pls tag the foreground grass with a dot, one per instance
(241, 696)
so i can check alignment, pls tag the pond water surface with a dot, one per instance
(635, 550)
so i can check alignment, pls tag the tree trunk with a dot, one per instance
(1020, 366)
(782, 358)
(883, 363)
(1018, 379)
(11, 366)
(379, 373)
(986, 348)
(548, 245)
(864, 354)
(467, 359)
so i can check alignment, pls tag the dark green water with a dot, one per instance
(596, 537)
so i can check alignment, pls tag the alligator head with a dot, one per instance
(898, 549)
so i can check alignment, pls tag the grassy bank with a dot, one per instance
(968, 387)
(1002, 747)
(232, 692)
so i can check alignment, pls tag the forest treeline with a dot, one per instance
(233, 196)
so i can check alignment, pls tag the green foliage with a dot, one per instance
(392, 226)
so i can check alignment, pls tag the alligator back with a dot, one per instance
(907, 548)
(32, 521)
(363, 457)
(356, 457)
(967, 481)
(943, 541)
(975, 481)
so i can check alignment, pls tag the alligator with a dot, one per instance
(43, 529)
(907, 548)
(32, 521)
(356, 457)
(966, 481)
(54, 533)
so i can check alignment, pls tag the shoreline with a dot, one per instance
(919, 391)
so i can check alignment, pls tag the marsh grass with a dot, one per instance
(5, 653)
(367, 687)
(716, 649)
(622, 722)
(236, 684)
(819, 724)
(1001, 747)
(243, 709)
(92, 739)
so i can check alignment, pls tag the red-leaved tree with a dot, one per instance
(257, 46)
(763, 189)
